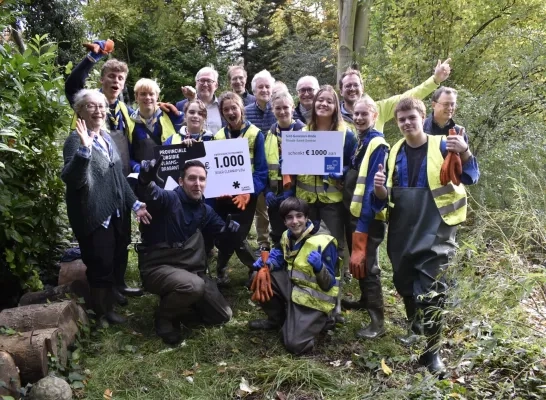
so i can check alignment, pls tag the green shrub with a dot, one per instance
(34, 118)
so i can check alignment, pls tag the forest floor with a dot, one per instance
(232, 362)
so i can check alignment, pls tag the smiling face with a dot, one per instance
(237, 80)
(232, 114)
(351, 89)
(444, 108)
(263, 90)
(306, 93)
(194, 118)
(194, 182)
(364, 116)
(296, 222)
(112, 83)
(410, 123)
(93, 111)
(206, 86)
(147, 101)
(283, 109)
(325, 105)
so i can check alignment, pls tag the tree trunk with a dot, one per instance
(63, 315)
(18, 38)
(362, 28)
(9, 375)
(29, 351)
(73, 290)
(72, 271)
(347, 17)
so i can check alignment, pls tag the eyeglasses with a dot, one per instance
(304, 90)
(93, 107)
(206, 82)
(351, 86)
(448, 104)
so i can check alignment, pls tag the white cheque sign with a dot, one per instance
(312, 153)
(228, 167)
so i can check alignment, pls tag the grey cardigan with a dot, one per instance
(95, 187)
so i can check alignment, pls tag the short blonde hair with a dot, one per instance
(114, 65)
(282, 95)
(368, 101)
(145, 84)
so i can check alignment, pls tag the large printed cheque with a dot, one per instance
(228, 167)
(312, 153)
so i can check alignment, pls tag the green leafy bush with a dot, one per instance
(34, 118)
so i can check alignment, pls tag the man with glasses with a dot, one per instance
(440, 121)
(352, 89)
(206, 82)
(306, 87)
(237, 80)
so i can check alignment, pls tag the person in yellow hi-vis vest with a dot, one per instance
(364, 230)
(303, 288)
(118, 125)
(426, 200)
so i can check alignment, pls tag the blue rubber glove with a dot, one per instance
(96, 56)
(271, 200)
(335, 176)
(274, 254)
(231, 225)
(315, 259)
(258, 264)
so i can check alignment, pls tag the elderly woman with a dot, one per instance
(98, 199)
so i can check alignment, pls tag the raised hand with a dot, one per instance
(149, 171)
(241, 201)
(81, 129)
(379, 180)
(230, 225)
(442, 71)
(188, 92)
(315, 259)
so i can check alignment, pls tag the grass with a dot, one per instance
(213, 362)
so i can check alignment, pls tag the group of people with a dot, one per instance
(303, 222)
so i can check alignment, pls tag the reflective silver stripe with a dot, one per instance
(273, 167)
(357, 199)
(317, 189)
(452, 207)
(361, 180)
(316, 294)
(389, 191)
(300, 275)
(447, 189)
(305, 186)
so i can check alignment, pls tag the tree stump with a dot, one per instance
(72, 271)
(9, 375)
(72, 290)
(63, 315)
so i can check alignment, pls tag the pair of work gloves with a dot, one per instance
(261, 285)
(452, 167)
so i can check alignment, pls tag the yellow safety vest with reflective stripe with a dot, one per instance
(450, 199)
(306, 291)
(272, 156)
(129, 123)
(356, 203)
(167, 127)
(251, 133)
(311, 187)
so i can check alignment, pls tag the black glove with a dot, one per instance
(149, 171)
(230, 226)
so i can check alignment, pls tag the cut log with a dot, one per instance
(64, 315)
(73, 290)
(9, 375)
(72, 271)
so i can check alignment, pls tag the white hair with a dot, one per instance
(81, 98)
(314, 82)
(209, 69)
(263, 74)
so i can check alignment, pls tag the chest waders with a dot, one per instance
(420, 245)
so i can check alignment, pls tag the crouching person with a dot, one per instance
(296, 285)
(172, 258)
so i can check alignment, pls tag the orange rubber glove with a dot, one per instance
(286, 182)
(261, 285)
(168, 108)
(452, 167)
(241, 201)
(95, 47)
(357, 265)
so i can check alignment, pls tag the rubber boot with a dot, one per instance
(167, 329)
(263, 325)
(374, 298)
(433, 332)
(222, 277)
(103, 305)
(359, 304)
(119, 298)
(120, 282)
(415, 325)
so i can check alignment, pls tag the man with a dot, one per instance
(352, 89)
(440, 120)
(306, 87)
(118, 124)
(261, 114)
(237, 79)
(206, 82)
(172, 258)
(421, 240)
(302, 279)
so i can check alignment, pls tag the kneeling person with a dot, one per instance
(172, 259)
(302, 279)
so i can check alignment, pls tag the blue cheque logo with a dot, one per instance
(332, 165)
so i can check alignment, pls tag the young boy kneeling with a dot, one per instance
(303, 281)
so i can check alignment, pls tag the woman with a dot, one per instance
(323, 193)
(195, 117)
(243, 206)
(98, 199)
(283, 108)
(364, 230)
